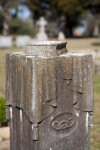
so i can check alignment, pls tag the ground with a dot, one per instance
(73, 45)
(83, 44)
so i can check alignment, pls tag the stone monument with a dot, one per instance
(61, 36)
(49, 97)
(22, 40)
(6, 42)
(42, 36)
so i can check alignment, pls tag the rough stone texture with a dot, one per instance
(51, 48)
(49, 92)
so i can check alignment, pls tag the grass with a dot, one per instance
(75, 45)
(2, 110)
(83, 44)
(95, 131)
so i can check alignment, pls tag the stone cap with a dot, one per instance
(46, 48)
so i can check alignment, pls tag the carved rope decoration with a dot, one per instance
(63, 124)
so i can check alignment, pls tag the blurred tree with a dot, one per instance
(6, 5)
(1, 22)
(20, 27)
(94, 7)
(38, 7)
(89, 25)
(71, 9)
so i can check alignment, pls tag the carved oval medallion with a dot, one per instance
(63, 124)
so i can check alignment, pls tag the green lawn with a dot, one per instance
(75, 45)
(95, 131)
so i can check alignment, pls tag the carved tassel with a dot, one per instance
(35, 131)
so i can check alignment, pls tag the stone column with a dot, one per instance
(49, 97)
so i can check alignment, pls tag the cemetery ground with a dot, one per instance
(73, 45)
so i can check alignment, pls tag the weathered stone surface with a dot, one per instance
(50, 94)
(51, 48)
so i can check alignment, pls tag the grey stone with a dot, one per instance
(50, 94)
(45, 48)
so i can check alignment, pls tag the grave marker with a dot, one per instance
(22, 40)
(42, 36)
(6, 42)
(49, 97)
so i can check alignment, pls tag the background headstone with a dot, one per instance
(62, 24)
(42, 36)
(97, 66)
(22, 40)
(6, 42)
(61, 36)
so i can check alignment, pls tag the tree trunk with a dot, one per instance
(69, 32)
(5, 24)
(96, 26)
(69, 27)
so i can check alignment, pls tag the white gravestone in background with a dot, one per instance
(42, 36)
(22, 40)
(6, 42)
(61, 36)
(62, 26)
